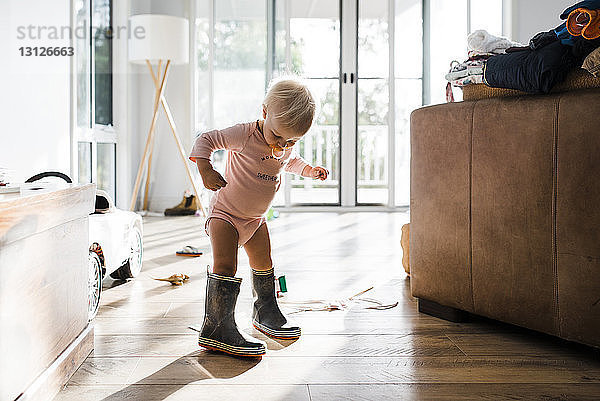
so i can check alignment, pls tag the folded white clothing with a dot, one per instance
(484, 42)
(470, 70)
(474, 53)
(464, 69)
(470, 80)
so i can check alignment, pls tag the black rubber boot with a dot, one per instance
(219, 331)
(267, 316)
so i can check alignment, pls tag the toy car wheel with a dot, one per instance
(133, 265)
(94, 284)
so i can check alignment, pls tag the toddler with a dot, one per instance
(256, 153)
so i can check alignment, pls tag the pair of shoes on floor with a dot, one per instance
(219, 331)
(186, 207)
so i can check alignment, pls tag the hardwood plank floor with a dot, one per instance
(144, 350)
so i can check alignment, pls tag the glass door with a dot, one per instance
(362, 59)
(390, 71)
(307, 43)
(373, 103)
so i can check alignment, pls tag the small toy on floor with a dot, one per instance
(272, 214)
(280, 286)
(175, 279)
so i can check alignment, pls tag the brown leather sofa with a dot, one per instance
(505, 211)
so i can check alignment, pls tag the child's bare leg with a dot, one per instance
(266, 316)
(224, 242)
(258, 249)
(219, 331)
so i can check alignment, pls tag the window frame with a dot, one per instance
(94, 133)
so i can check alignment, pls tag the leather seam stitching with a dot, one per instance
(471, 207)
(554, 214)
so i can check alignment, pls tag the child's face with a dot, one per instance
(276, 136)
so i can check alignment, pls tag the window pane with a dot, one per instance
(311, 49)
(408, 67)
(448, 42)
(203, 113)
(279, 66)
(101, 21)
(372, 164)
(320, 147)
(82, 54)
(373, 39)
(408, 98)
(408, 45)
(240, 61)
(84, 155)
(487, 14)
(106, 168)
(372, 155)
(315, 39)
(373, 103)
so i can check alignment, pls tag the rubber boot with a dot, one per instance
(267, 316)
(219, 331)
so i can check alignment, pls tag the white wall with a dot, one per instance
(35, 106)
(532, 16)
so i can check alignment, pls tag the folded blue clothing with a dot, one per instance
(532, 71)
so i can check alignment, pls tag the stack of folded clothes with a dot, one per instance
(550, 56)
(548, 59)
(482, 45)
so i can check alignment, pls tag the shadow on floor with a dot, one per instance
(199, 365)
(273, 344)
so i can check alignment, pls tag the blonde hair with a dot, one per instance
(291, 103)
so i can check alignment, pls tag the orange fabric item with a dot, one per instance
(584, 22)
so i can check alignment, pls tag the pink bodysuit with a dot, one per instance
(252, 175)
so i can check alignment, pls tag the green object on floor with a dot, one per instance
(272, 214)
(282, 284)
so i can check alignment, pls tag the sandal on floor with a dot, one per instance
(189, 251)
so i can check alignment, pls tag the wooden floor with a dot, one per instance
(144, 351)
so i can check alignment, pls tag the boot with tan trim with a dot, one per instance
(219, 331)
(267, 316)
(186, 207)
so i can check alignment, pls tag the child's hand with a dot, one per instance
(210, 177)
(213, 180)
(319, 173)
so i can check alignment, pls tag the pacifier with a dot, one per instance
(278, 149)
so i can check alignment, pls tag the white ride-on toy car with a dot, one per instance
(115, 241)
(116, 246)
